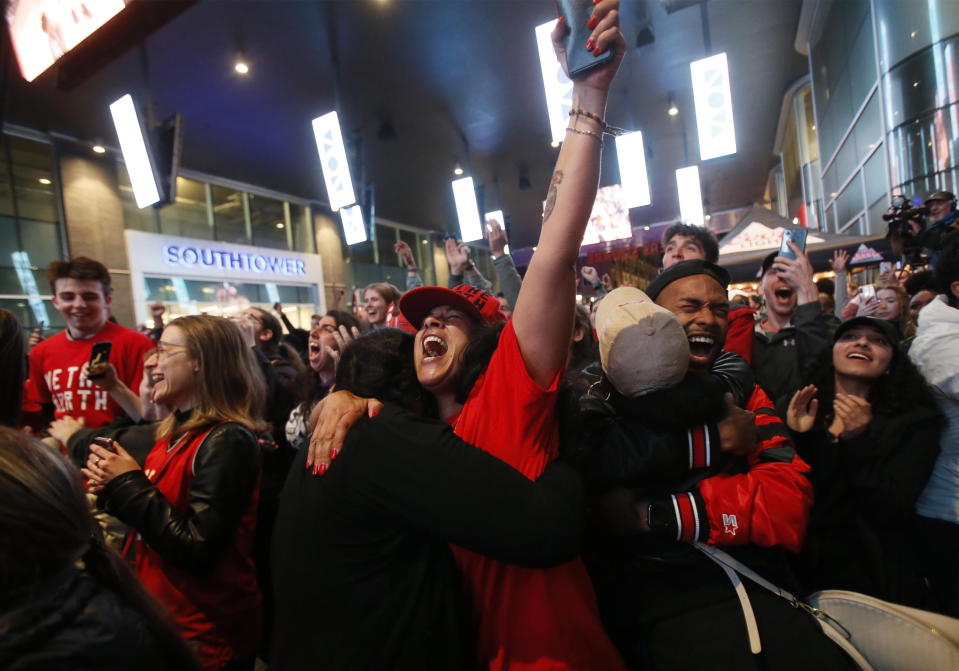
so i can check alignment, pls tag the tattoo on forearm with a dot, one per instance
(551, 194)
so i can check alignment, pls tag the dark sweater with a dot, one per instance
(363, 572)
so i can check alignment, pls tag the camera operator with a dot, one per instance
(942, 222)
(906, 228)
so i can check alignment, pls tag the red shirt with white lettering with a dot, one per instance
(528, 619)
(55, 365)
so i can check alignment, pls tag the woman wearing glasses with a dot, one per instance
(868, 426)
(193, 504)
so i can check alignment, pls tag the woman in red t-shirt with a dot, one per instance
(193, 505)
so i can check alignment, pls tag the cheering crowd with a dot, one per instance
(467, 481)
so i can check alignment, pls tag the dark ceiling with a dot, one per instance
(458, 80)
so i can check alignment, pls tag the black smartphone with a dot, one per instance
(105, 443)
(576, 13)
(798, 238)
(99, 354)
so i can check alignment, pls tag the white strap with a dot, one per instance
(830, 627)
(752, 627)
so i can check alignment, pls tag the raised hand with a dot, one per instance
(497, 238)
(457, 255)
(405, 253)
(801, 414)
(606, 34)
(737, 431)
(839, 260)
(589, 274)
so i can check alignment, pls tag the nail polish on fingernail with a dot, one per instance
(589, 44)
(323, 468)
(308, 464)
(316, 469)
(596, 51)
(333, 454)
(592, 22)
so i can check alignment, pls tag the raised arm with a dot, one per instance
(543, 315)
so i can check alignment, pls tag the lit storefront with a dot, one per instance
(191, 276)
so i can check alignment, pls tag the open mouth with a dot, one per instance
(433, 347)
(314, 349)
(701, 346)
(858, 355)
(783, 293)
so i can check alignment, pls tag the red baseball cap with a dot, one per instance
(478, 304)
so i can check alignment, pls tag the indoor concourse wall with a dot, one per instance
(94, 220)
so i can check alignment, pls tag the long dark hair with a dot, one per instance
(476, 358)
(380, 365)
(900, 389)
(45, 517)
(12, 368)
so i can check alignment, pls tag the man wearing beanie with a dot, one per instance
(657, 591)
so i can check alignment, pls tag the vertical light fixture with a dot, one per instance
(714, 107)
(467, 211)
(559, 88)
(136, 151)
(497, 216)
(336, 169)
(690, 196)
(631, 156)
(354, 228)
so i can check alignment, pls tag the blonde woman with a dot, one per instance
(193, 504)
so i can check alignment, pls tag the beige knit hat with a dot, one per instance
(642, 346)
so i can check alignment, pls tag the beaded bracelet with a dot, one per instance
(607, 129)
(599, 138)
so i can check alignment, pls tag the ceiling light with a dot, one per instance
(690, 196)
(425, 242)
(554, 144)
(280, 224)
(457, 169)
(44, 181)
(672, 110)
(336, 169)
(136, 151)
(467, 210)
(708, 217)
(915, 84)
(99, 149)
(241, 67)
(645, 228)
(631, 155)
(912, 35)
(714, 107)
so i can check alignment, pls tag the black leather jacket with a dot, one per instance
(226, 473)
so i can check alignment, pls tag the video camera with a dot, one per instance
(900, 213)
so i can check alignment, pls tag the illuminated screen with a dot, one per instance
(44, 30)
(609, 219)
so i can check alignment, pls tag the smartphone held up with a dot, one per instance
(576, 14)
(98, 355)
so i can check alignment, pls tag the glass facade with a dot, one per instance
(30, 230)
(886, 82)
(206, 211)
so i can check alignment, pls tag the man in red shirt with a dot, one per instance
(82, 293)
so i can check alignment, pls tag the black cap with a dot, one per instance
(768, 262)
(887, 328)
(684, 269)
(940, 195)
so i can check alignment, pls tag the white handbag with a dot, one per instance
(877, 635)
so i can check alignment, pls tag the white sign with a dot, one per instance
(136, 151)
(631, 156)
(354, 229)
(714, 107)
(559, 87)
(336, 169)
(759, 236)
(690, 196)
(467, 210)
